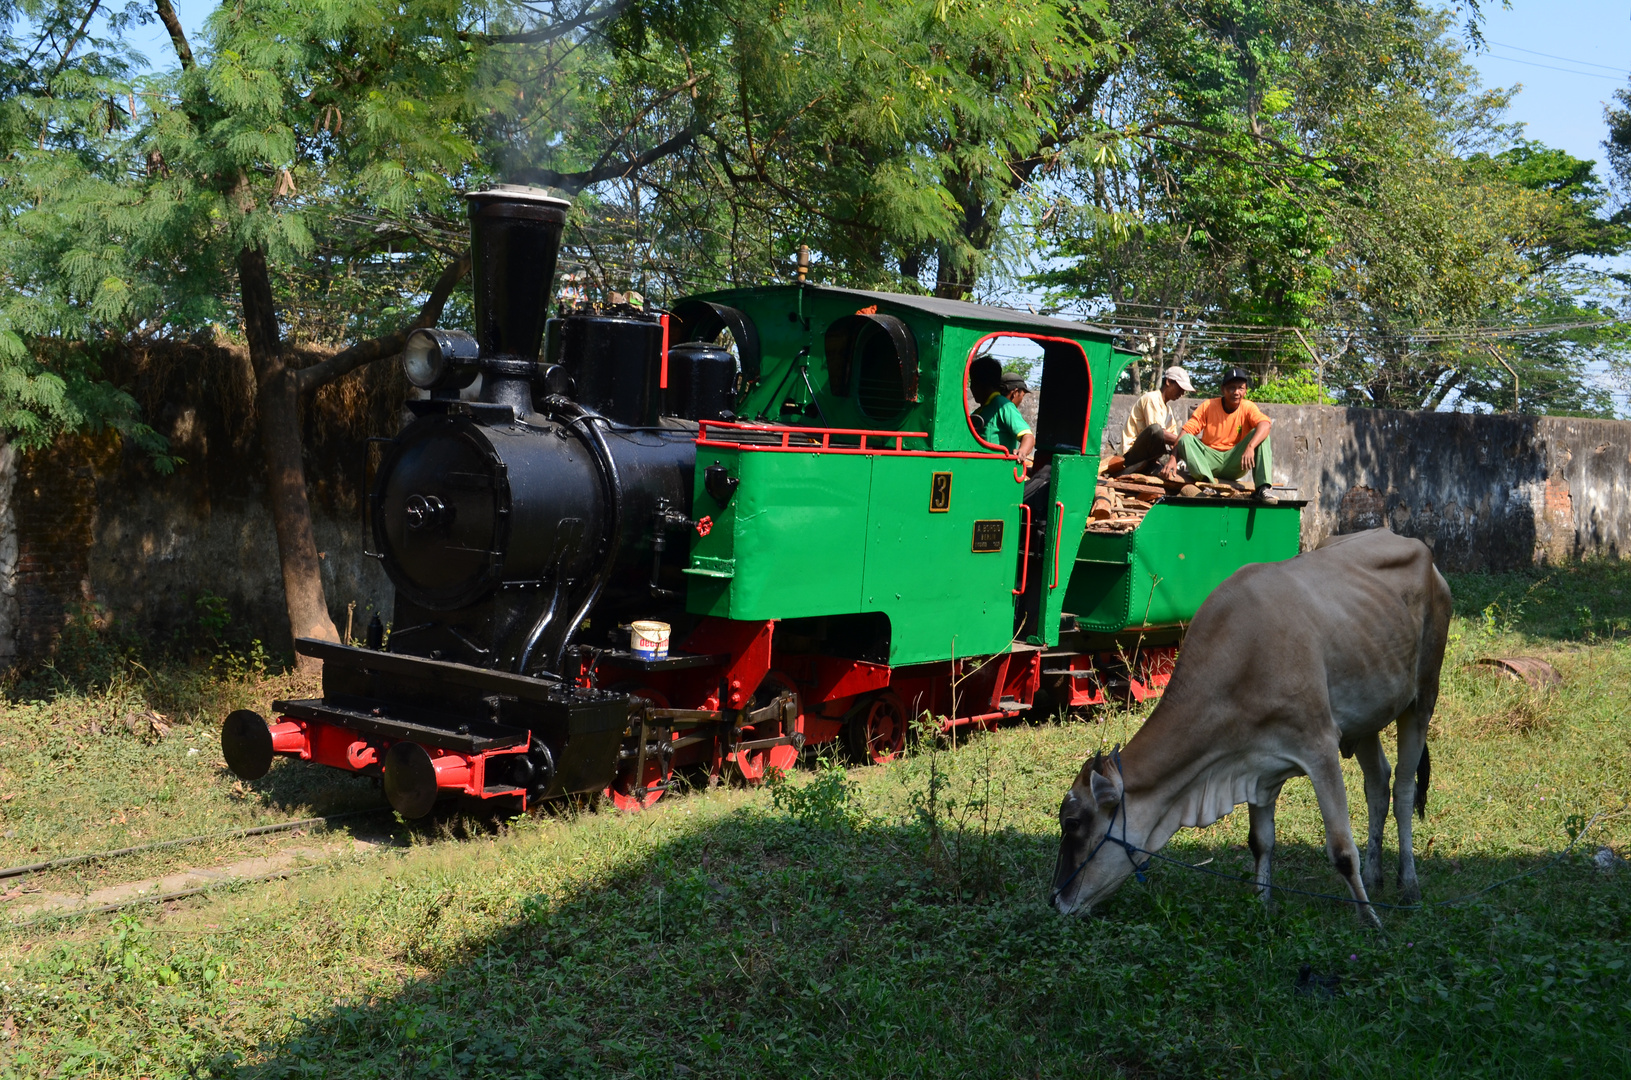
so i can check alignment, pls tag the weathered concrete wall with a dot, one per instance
(95, 532)
(9, 615)
(1485, 492)
(90, 527)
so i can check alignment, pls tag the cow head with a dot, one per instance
(1089, 868)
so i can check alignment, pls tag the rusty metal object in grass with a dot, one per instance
(1536, 672)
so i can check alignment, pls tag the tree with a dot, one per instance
(60, 105)
(891, 136)
(1329, 188)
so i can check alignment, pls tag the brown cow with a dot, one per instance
(1287, 667)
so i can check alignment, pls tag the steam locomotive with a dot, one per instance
(787, 479)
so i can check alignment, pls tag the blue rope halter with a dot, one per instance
(1125, 844)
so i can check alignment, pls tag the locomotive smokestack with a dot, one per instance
(515, 235)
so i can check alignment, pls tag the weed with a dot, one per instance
(824, 801)
(956, 803)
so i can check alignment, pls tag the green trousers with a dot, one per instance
(1206, 463)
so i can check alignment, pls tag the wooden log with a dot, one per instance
(1131, 488)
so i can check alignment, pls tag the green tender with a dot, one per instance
(1160, 573)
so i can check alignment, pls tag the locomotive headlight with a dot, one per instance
(440, 359)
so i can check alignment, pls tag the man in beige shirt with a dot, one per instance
(1152, 427)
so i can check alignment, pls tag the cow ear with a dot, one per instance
(1106, 790)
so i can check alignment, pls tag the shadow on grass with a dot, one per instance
(756, 946)
(1582, 601)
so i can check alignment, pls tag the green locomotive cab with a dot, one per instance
(852, 483)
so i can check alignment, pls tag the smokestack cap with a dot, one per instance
(518, 193)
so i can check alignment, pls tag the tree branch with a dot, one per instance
(178, 37)
(365, 352)
(68, 49)
(574, 182)
(548, 33)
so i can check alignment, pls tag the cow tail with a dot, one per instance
(1424, 776)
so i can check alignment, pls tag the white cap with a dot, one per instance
(1181, 377)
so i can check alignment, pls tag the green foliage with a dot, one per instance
(889, 135)
(1293, 388)
(824, 801)
(318, 133)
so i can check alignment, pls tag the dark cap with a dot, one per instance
(1013, 380)
(1235, 373)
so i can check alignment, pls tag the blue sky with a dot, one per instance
(1570, 56)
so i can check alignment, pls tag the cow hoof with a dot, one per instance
(1409, 893)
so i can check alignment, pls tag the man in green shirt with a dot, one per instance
(996, 419)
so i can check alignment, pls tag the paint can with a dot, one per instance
(648, 639)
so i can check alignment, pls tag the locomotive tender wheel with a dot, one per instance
(625, 792)
(753, 765)
(410, 780)
(877, 733)
(246, 744)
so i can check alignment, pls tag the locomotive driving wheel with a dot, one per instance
(877, 732)
(642, 778)
(754, 762)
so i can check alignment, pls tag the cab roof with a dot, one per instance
(964, 311)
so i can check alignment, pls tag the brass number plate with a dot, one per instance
(940, 493)
(988, 535)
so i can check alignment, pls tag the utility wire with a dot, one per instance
(1566, 59)
(1554, 67)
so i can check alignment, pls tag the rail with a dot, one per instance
(808, 438)
(789, 439)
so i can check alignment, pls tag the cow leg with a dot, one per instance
(1326, 776)
(1412, 741)
(1261, 839)
(1373, 762)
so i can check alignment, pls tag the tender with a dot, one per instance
(1287, 667)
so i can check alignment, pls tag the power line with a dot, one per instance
(1554, 67)
(1566, 59)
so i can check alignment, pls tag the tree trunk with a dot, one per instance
(278, 405)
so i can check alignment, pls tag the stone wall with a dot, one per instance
(89, 529)
(1485, 492)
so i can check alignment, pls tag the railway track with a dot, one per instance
(177, 885)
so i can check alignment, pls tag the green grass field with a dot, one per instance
(878, 921)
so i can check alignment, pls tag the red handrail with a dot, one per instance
(1058, 538)
(662, 381)
(1025, 558)
(787, 431)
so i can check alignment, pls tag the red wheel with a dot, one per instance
(626, 792)
(877, 733)
(753, 764)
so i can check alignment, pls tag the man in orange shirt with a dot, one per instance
(1227, 437)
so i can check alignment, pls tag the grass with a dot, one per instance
(878, 921)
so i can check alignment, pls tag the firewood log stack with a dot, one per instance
(1121, 502)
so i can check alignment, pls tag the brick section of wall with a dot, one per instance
(97, 529)
(55, 508)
